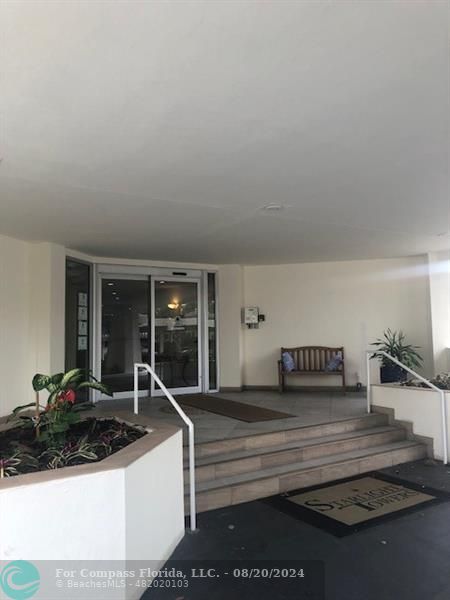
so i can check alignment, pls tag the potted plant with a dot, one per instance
(56, 459)
(394, 344)
(54, 435)
(52, 421)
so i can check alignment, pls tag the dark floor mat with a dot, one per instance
(347, 506)
(229, 408)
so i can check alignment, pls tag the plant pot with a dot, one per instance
(392, 374)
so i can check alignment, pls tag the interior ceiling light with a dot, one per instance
(110, 283)
(174, 304)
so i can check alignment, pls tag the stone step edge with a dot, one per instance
(357, 434)
(252, 476)
(319, 475)
(378, 418)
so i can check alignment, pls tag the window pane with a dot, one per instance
(125, 333)
(212, 331)
(176, 333)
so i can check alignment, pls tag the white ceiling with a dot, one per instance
(159, 129)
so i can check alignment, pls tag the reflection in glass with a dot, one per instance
(125, 332)
(176, 333)
(212, 331)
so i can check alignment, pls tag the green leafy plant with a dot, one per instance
(11, 465)
(117, 437)
(70, 454)
(53, 420)
(394, 344)
(90, 440)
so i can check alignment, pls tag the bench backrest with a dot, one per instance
(313, 358)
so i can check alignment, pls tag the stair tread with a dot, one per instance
(238, 454)
(303, 466)
(376, 417)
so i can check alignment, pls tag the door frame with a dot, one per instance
(152, 319)
(111, 271)
(208, 389)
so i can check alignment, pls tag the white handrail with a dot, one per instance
(441, 393)
(189, 423)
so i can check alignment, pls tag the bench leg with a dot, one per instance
(280, 380)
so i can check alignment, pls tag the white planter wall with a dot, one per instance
(419, 406)
(127, 507)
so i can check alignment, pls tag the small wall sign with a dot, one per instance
(82, 299)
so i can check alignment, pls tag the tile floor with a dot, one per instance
(310, 408)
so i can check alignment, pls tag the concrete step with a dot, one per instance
(227, 491)
(245, 461)
(277, 438)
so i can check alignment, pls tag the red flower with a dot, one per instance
(67, 396)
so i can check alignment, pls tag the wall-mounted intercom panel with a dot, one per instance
(251, 317)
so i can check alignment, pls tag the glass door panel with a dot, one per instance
(176, 335)
(212, 332)
(125, 332)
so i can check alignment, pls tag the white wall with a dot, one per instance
(32, 287)
(154, 502)
(346, 304)
(231, 348)
(64, 536)
(47, 306)
(15, 354)
(439, 269)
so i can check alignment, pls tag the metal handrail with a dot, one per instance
(441, 393)
(188, 422)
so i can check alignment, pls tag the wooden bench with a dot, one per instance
(311, 360)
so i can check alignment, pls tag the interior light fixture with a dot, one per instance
(110, 283)
(174, 304)
(273, 207)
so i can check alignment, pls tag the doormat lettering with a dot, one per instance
(347, 506)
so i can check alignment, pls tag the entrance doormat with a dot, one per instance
(349, 505)
(230, 408)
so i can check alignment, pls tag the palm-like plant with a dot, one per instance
(61, 410)
(393, 343)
